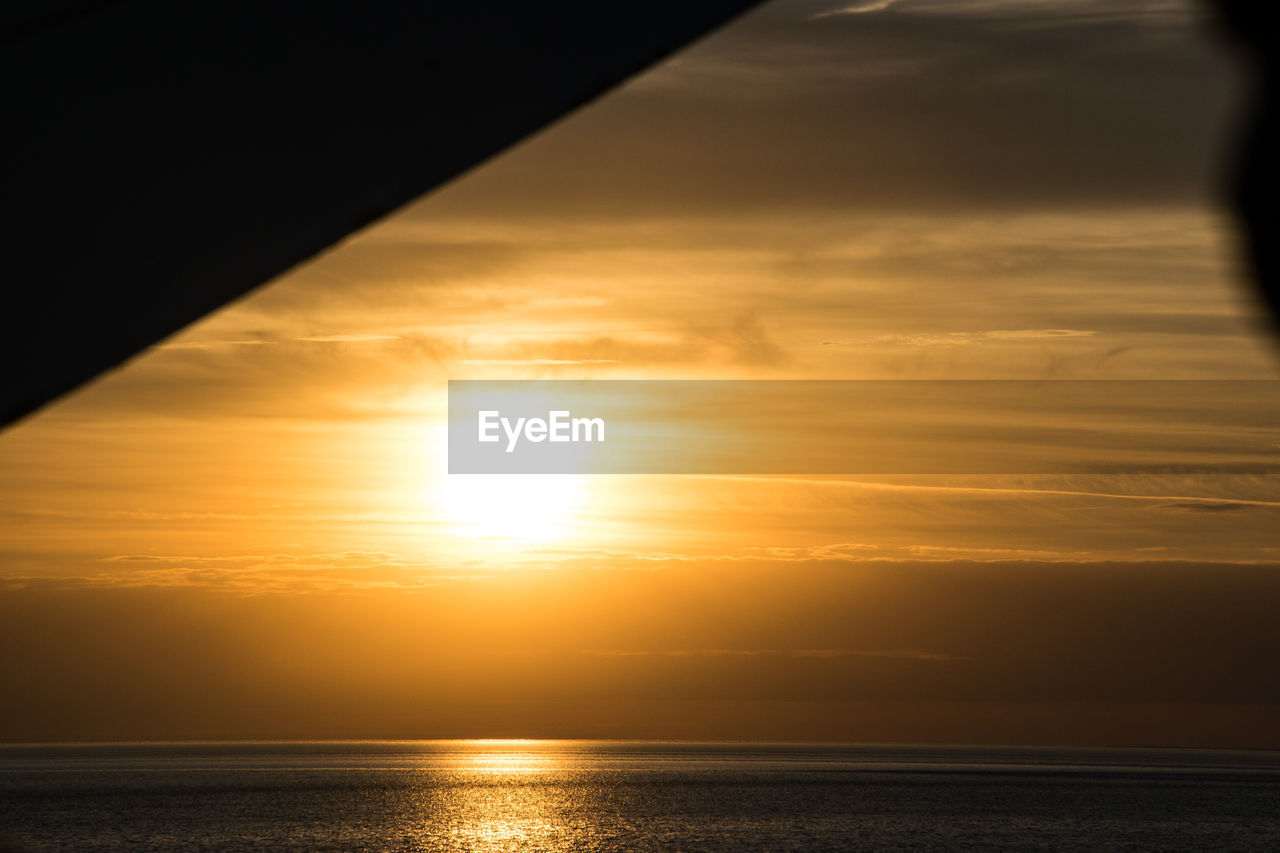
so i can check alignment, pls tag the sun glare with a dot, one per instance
(525, 508)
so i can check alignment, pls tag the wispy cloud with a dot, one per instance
(836, 551)
(969, 551)
(901, 654)
(861, 8)
(348, 339)
(1028, 492)
(1210, 506)
(253, 574)
(964, 338)
(516, 362)
(746, 340)
(210, 344)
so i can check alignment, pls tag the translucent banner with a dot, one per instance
(863, 427)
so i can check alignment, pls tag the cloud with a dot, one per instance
(861, 8)
(537, 362)
(283, 378)
(969, 552)
(747, 341)
(945, 106)
(650, 649)
(257, 574)
(966, 338)
(1028, 492)
(1038, 334)
(148, 515)
(348, 339)
(837, 551)
(898, 654)
(208, 344)
(1210, 506)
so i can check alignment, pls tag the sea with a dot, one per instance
(631, 796)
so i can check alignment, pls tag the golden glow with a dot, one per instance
(491, 806)
(516, 508)
(262, 500)
(511, 759)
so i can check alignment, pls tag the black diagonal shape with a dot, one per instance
(162, 158)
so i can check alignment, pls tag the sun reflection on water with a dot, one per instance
(492, 795)
(513, 756)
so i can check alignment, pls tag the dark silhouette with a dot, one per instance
(1253, 193)
(163, 158)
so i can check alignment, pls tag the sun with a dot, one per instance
(518, 507)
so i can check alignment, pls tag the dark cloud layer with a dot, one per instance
(474, 659)
(917, 106)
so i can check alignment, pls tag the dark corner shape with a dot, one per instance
(1249, 27)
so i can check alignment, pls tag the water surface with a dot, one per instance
(597, 796)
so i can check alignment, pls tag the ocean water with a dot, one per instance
(597, 796)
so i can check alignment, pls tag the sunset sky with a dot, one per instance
(247, 531)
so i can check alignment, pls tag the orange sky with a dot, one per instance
(247, 531)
